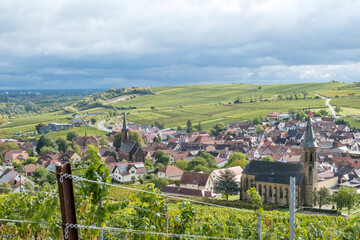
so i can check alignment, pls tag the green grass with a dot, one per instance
(350, 102)
(90, 131)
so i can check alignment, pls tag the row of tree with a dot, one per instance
(346, 197)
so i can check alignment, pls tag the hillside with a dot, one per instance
(208, 104)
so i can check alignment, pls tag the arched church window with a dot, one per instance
(260, 190)
(281, 192)
(270, 191)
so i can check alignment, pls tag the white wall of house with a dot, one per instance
(126, 178)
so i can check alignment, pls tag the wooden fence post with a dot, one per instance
(67, 201)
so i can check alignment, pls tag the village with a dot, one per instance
(262, 155)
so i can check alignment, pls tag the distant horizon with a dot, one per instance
(104, 89)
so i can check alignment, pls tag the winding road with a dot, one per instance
(327, 102)
(100, 125)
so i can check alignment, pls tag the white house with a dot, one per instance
(123, 172)
(170, 171)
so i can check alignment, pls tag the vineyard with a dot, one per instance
(149, 214)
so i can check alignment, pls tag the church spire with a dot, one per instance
(124, 123)
(124, 131)
(309, 140)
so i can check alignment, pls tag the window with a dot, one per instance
(132, 171)
(246, 184)
(281, 192)
(270, 191)
(260, 190)
(252, 183)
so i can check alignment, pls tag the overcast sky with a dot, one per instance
(112, 43)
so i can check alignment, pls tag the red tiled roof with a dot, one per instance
(172, 171)
(194, 178)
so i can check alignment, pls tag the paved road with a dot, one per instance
(327, 102)
(100, 125)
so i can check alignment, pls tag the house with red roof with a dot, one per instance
(170, 171)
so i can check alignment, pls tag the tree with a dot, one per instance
(117, 140)
(301, 116)
(226, 183)
(256, 121)
(17, 164)
(159, 124)
(189, 127)
(30, 106)
(198, 161)
(103, 141)
(346, 197)
(40, 173)
(5, 188)
(93, 121)
(322, 197)
(30, 152)
(159, 182)
(135, 137)
(9, 145)
(338, 109)
(46, 150)
(259, 129)
(217, 129)
(238, 157)
(149, 164)
(71, 136)
(256, 199)
(62, 145)
(30, 160)
(69, 109)
(162, 157)
(133, 179)
(267, 158)
(199, 127)
(210, 159)
(324, 113)
(292, 112)
(182, 164)
(45, 141)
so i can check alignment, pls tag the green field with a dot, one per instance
(349, 102)
(90, 131)
(211, 104)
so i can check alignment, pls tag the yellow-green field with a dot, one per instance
(211, 104)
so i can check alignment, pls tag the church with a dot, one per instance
(129, 150)
(272, 179)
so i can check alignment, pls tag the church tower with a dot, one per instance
(309, 163)
(124, 130)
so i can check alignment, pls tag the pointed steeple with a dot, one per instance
(124, 123)
(309, 140)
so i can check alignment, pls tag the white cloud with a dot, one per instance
(252, 39)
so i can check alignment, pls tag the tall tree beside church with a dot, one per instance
(226, 184)
(135, 137)
(117, 140)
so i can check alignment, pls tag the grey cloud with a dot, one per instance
(49, 44)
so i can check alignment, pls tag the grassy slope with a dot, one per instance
(208, 104)
(90, 131)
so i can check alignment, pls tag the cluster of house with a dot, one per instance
(55, 127)
(317, 152)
